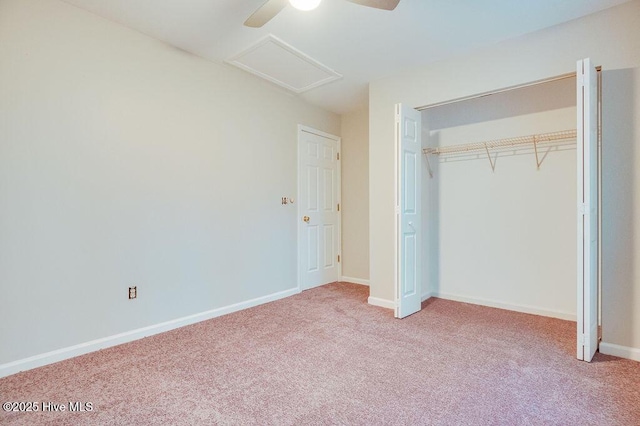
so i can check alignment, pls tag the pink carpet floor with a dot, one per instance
(326, 357)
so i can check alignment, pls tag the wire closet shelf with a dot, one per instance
(553, 140)
(531, 141)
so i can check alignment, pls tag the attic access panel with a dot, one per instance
(282, 64)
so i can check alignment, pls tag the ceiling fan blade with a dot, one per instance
(265, 12)
(378, 4)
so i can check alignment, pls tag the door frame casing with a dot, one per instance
(307, 129)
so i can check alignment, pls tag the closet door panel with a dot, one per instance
(587, 143)
(408, 211)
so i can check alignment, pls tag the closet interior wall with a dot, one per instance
(503, 237)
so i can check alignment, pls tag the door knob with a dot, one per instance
(306, 219)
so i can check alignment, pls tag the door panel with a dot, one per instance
(408, 211)
(410, 264)
(410, 188)
(328, 152)
(329, 186)
(587, 158)
(319, 226)
(312, 188)
(329, 255)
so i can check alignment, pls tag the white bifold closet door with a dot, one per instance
(408, 211)
(587, 151)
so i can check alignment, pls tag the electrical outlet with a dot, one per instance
(133, 292)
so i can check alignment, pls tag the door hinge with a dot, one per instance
(337, 155)
(583, 209)
(338, 206)
(338, 258)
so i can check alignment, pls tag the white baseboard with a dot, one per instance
(355, 280)
(620, 351)
(128, 336)
(390, 304)
(527, 309)
(426, 295)
(383, 303)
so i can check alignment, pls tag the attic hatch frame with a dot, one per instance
(599, 153)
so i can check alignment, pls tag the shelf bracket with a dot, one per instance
(426, 156)
(539, 160)
(493, 164)
(535, 148)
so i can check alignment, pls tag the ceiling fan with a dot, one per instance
(272, 7)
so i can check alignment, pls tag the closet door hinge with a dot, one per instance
(337, 156)
(583, 208)
(338, 258)
(338, 206)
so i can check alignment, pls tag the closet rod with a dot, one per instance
(479, 147)
(505, 89)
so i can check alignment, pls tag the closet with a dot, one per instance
(508, 203)
(500, 224)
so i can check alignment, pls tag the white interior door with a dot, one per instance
(319, 207)
(408, 211)
(587, 143)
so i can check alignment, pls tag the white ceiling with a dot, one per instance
(361, 43)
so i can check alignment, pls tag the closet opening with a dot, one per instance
(499, 197)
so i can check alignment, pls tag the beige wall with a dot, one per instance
(355, 195)
(612, 39)
(124, 161)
